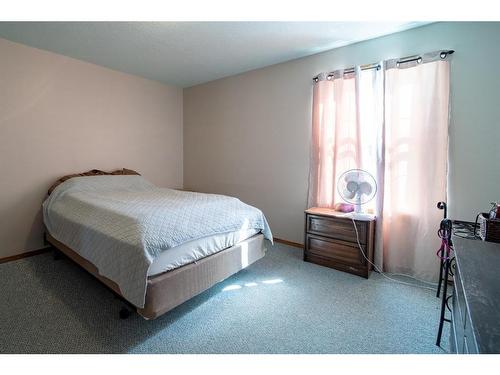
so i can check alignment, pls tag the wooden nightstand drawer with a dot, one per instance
(340, 251)
(342, 229)
(327, 262)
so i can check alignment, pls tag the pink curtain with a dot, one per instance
(346, 132)
(321, 169)
(338, 126)
(393, 123)
(416, 143)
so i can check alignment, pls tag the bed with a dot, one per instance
(154, 247)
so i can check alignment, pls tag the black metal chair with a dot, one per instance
(441, 206)
(445, 254)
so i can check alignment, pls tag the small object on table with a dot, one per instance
(343, 207)
(489, 229)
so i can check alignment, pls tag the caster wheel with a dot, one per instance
(56, 255)
(124, 313)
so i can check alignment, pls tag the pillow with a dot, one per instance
(93, 172)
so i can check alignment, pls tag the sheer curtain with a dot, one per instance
(392, 122)
(346, 131)
(416, 144)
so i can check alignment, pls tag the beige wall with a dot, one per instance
(59, 115)
(248, 135)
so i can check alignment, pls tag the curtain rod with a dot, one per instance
(402, 60)
(418, 59)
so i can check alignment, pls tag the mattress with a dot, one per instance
(123, 224)
(192, 251)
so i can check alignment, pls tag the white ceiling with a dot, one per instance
(188, 53)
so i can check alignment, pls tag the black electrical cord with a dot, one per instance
(466, 230)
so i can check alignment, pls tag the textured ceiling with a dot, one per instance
(188, 53)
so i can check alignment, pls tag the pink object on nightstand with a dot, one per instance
(343, 207)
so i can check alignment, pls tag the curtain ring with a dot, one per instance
(443, 55)
(419, 60)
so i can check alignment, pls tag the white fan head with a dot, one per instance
(357, 186)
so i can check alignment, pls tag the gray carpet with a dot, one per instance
(286, 306)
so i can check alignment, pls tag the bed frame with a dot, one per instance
(170, 289)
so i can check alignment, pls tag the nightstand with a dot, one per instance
(330, 240)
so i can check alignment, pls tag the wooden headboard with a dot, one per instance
(93, 172)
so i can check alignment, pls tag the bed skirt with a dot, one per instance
(170, 289)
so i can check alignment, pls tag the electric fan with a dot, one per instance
(357, 187)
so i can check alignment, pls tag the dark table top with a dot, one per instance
(478, 263)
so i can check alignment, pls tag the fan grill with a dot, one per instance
(357, 186)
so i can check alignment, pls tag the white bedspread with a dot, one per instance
(122, 223)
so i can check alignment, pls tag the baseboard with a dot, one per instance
(289, 243)
(25, 255)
